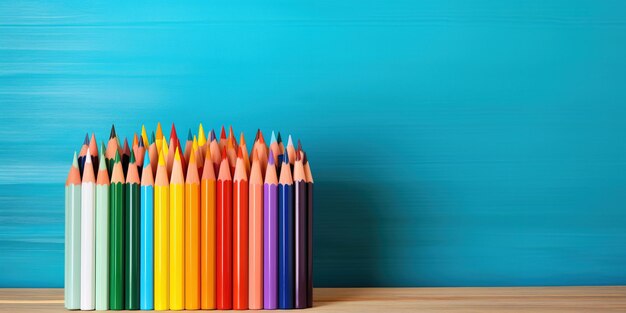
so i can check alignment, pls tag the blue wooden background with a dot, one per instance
(454, 143)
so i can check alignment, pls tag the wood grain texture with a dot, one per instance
(448, 300)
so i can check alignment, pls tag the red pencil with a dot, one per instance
(240, 235)
(224, 235)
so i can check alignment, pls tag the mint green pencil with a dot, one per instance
(102, 235)
(72, 237)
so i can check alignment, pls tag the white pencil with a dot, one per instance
(87, 234)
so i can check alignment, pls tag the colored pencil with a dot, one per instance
(125, 155)
(270, 236)
(309, 211)
(93, 149)
(72, 236)
(153, 153)
(286, 279)
(192, 235)
(102, 235)
(281, 152)
(240, 234)
(274, 148)
(177, 234)
(207, 234)
(291, 152)
(116, 236)
(216, 154)
(139, 155)
(87, 236)
(255, 212)
(82, 153)
(159, 135)
(224, 215)
(144, 136)
(201, 141)
(262, 151)
(231, 153)
(244, 151)
(112, 148)
(161, 237)
(300, 202)
(146, 264)
(131, 235)
(222, 141)
(188, 145)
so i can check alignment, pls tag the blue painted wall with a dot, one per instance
(454, 143)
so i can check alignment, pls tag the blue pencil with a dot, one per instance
(146, 264)
(286, 237)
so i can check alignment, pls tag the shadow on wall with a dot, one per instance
(347, 234)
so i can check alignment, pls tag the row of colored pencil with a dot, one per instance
(153, 226)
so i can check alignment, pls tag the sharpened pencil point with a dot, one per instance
(223, 133)
(270, 160)
(224, 153)
(273, 139)
(278, 138)
(177, 155)
(75, 160)
(212, 135)
(146, 158)
(132, 156)
(161, 159)
(285, 157)
(113, 134)
(152, 139)
(289, 142)
(189, 135)
(117, 157)
(86, 141)
(239, 153)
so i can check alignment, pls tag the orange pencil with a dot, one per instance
(192, 236)
(207, 234)
(216, 155)
(240, 235)
(262, 151)
(224, 263)
(255, 211)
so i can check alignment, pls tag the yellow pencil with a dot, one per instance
(177, 234)
(192, 235)
(161, 238)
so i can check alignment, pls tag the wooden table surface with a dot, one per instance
(517, 299)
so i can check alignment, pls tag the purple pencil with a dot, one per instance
(309, 227)
(300, 232)
(270, 236)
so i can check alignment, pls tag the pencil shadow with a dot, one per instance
(347, 236)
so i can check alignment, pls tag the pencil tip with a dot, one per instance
(212, 135)
(239, 153)
(223, 133)
(189, 135)
(117, 156)
(270, 160)
(113, 134)
(132, 156)
(223, 152)
(146, 158)
(289, 142)
(273, 139)
(278, 139)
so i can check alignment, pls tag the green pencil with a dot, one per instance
(131, 257)
(116, 237)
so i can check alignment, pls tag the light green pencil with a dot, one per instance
(102, 235)
(72, 237)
